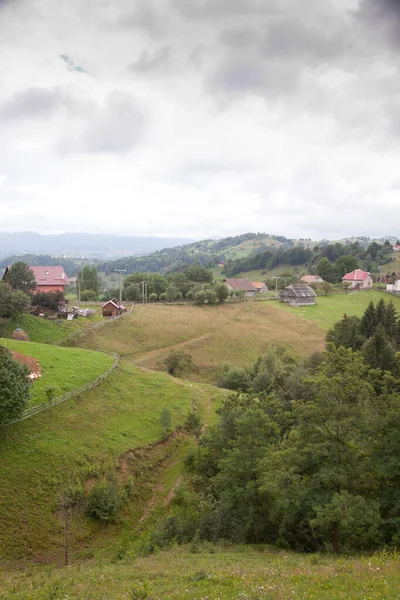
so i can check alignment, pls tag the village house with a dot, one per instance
(298, 294)
(393, 287)
(260, 286)
(311, 279)
(243, 285)
(112, 308)
(48, 279)
(359, 280)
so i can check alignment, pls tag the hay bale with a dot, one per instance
(19, 334)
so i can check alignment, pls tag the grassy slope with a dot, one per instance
(77, 440)
(234, 333)
(230, 574)
(64, 369)
(330, 309)
(47, 331)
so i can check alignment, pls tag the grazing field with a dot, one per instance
(232, 574)
(80, 440)
(64, 369)
(330, 309)
(47, 331)
(234, 333)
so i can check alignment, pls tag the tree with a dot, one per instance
(171, 293)
(346, 285)
(12, 304)
(177, 360)
(222, 291)
(88, 296)
(166, 420)
(347, 333)
(21, 277)
(346, 264)
(132, 292)
(88, 279)
(380, 352)
(327, 288)
(153, 297)
(14, 387)
(325, 269)
(193, 425)
(48, 299)
(369, 321)
(198, 274)
(200, 297)
(211, 297)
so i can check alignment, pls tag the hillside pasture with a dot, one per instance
(235, 333)
(48, 331)
(64, 369)
(79, 441)
(214, 573)
(330, 309)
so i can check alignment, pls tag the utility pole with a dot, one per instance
(380, 275)
(120, 271)
(276, 284)
(79, 291)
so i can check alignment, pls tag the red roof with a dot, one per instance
(357, 275)
(50, 275)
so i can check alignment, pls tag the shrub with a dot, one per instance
(189, 296)
(211, 297)
(200, 297)
(88, 296)
(163, 297)
(153, 297)
(177, 360)
(105, 501)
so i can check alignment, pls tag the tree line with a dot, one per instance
(306, 455)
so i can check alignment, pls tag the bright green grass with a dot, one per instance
(77, 440)
(48, 331)
(232, 574)
(64, 369)
(330, 309)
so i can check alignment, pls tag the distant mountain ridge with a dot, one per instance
(95, 245)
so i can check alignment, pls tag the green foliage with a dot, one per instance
(171, 293)
(327, 288)
(163, 297)
(153, 297)
(20, 277)
(177, 361)
(200, 297)
(347, 333)
(222, 291)
(211, 296)
(88, 279)
(48, 299)
(234, 378)
(105, 501)
(166, 420)
(88, 296)
(14, 387)
(380, 352)
(12, 304)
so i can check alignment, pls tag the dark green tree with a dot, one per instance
(347, 333)
(88, 279)
(369, 321)
(20, 277)
(14, 387)
(177, 361)
(325, 270)
(380, 352)
(194, 426)
(12, 304)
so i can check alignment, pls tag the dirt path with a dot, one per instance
(180, 345)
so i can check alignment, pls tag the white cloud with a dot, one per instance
(180, 117)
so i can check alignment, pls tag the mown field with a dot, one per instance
(235, 333)
(63, 369)
(231, 574)
(82, 439)
(330, 309)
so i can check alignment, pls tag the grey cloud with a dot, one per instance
(150, 62)
(212, 8)
(42, 103)
(117, 128)
(33, 103)
(382, 17)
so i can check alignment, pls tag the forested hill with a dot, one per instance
(252, 251)
(207, 253)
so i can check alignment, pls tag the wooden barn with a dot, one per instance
(298, 294)
(112, 308)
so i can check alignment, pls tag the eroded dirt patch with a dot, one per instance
(32, 364)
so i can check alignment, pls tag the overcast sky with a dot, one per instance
(200, 118)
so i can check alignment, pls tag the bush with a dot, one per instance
(14, 387)
(211, 297)
(105, 501)
(88, 296)
(47, 299)
(177, 360)
(163, 297)
(153, 297)
(200, 297)
(234, 378)
(189, 296)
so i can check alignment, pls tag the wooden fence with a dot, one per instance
(34, 410)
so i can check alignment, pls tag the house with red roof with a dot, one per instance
(359, 280)
(48, 279)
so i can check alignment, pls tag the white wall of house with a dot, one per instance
(362, 285)
(393, 287)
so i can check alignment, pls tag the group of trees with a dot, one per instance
(193, 283)
(330, 261)
(307, 454)
(14, 291)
